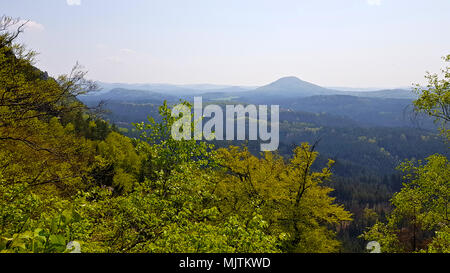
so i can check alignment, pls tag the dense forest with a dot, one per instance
(73, 176)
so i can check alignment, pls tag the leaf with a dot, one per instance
(66, 216)
(57, 240)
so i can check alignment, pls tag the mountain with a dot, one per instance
(128, 96)
(292, 87)
(174, 90)
(367, 108)
(166, 89)
(229, 89)
(367, 111)
(284, 88)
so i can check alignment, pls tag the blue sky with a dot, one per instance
(353, 43)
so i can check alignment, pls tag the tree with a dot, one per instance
(291, 197)
(43, 162)
(27, 93)
(117, 164)
(166, 154)
(173, 208)
(434, 99)
(420, 218)
(36, 147)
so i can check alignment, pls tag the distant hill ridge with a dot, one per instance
(283, 88)
(293, 87)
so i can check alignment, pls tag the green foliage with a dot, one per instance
(420, 209)
(166, 154)
(441, 242)
(419, 221)
(117, 163)
(434, 99)
(291, 197)
(34, 224)
(66, 175)
(176, 213)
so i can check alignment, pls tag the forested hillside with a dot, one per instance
(117, 182)
(366, 137)
(68, 176)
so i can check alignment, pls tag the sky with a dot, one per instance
(347, 43)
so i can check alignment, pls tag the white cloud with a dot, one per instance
(73, 2)
(374, 2)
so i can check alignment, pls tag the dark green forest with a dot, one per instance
(87, 170)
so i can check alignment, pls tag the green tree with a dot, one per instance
(434, 99)
(420, 218)
(173, 208)
(291, 197)
(43, 162)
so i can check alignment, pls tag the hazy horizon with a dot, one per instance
(359, 44)
(213, 86)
